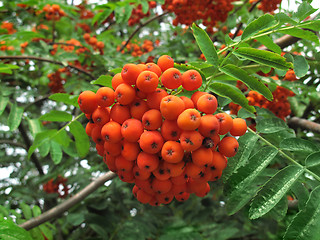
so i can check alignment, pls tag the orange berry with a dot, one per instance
(148, 162)
(87, 102)
(152, 119)
(190, 140)
(165, 62)
(172, 152)
(116, 80)
(171, 78)
(207, 104)
(151, 142)
(225, 122)
(130, 73)
(209, 125)
(228, 146)
(105, 96)
(239, 127)
(119, 113)
(171, 106)
(189, 119)
(111, 132)
(191, 80)
(154, 99)
(125, 94)
(147, 81)
(131, 130)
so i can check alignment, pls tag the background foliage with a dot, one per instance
(269, 189)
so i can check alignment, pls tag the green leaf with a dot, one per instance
(263, 57)
(81, 138)
(232, 93)
(41, 138)
(306, 224)
(300, 65)
(10, 231)
(248, 172)
(271, 125)
(3, 103)
(246, 145)
(103, 80)
(26, 210)
(250, 81)
(15, 117)
(55, 152)
(269, 43)
(301, 193)
(65, 98)
(298, 145)
(56, 116)
(274, 190)
(300, 33)
(304, 10)
(205, 44)
(264, 22)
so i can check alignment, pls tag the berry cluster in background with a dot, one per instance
(168, 146)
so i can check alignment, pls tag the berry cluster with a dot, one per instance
(267, 5)
(53, 186)
(56, 82)
(280, 105)
(53, 12)
(96, 45)
(136, 49)
(137, 13)
(8, 26)
(189, 11)
(169, 146)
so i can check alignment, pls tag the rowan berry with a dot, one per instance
(239, 127)
(191, 80)
(172, 152)
(147, 161)
(111, 132)
(147, 81)
(165, 62)
(105, 96)
(131, 129)
(171, 106)
(207, 104)
(151, 141)
(125, 94)
(190, 140)
(171, 78)
(225, 122)
(228, 146)
(87, 102)
(189, 119)
(152, 119)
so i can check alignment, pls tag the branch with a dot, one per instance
(17, 144)
(304, 124)
(46, 60)
(141, 26)
(64, 206)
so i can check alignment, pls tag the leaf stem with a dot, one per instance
(285, 155)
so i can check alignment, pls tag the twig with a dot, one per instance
(304, 124)
(17, 144)
(241, 23)
(46, 60)
(64, 206)
(141, 26)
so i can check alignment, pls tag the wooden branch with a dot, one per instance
(67, 204)
(46, 60)
(304, 124)
(141, 26)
